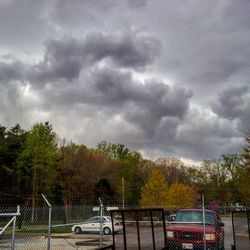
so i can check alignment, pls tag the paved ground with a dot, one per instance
(68, 241)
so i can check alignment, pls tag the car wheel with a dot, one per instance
(106, 230)
(78, 230)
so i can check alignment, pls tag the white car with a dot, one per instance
(93, 225)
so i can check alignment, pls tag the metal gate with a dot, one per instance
(241, 229)
(142, 229)
(7, 231)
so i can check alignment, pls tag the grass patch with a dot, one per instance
(40, 231)
(61, 229)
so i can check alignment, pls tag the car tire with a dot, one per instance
(106, 230)
(78, 230)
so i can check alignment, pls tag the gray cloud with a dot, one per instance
(203, 133)
(134, 4)
(11, 70)
(139, 102)
(64, 59)
(127, 50)
(23, 23)
(86, 12)
(233, 103)
(164, 77)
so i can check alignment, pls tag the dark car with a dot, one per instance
(190, 230)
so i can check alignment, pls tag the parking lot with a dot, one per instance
(91, 241)
(34, 236)
(242, 240)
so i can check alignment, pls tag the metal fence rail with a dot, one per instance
(241, 229)
(8, 219)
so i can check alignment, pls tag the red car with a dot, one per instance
(187, 229)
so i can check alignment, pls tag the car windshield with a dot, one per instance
(194, 217)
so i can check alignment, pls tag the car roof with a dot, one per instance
(98, 216)
(196, 210)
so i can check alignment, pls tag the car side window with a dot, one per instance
(93, 220)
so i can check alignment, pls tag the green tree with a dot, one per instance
(38, 161)
(11, 143)
(172, 168)
(211, 180)
(80, 169)
(113, 151)
(232, 164)
(104, 190)
(155, 191)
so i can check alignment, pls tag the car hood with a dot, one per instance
(190, 228)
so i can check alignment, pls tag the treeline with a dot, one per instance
(37, 161)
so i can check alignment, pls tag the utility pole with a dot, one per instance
(122, 192)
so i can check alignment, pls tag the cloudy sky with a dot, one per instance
(163, 77)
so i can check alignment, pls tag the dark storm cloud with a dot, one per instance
(10, 91)
(10, 70)
(129, 50)
(159, 102)
(152, 107)
(115, 89)
(65, 58)
(152, 98)
(233, 103)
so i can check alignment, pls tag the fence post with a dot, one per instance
(101, 226)
(14, 229)
(49, 226)
(204, 221)
(248, 224)
(233, 247)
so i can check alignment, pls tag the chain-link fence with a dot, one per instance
(34, 227)
(8, 220)
(30, 229)
(241, 229)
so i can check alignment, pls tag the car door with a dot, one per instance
(98, 223)
(89, 225)
(95, 224)
(105, 222)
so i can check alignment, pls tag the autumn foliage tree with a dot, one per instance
(155, 190)
(181, 195)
